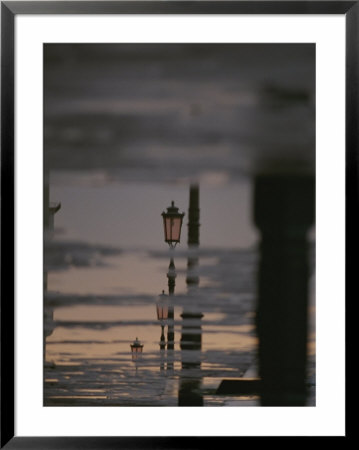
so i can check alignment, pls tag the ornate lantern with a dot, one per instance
(172, 224)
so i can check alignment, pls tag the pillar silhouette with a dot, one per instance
(283, 212)
(191, 337)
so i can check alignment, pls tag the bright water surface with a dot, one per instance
(103, 289)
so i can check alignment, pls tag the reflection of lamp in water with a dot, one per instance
(172, 224)
(136, 349)
(162, 308)
(162, 316)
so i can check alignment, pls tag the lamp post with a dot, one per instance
(172, 225)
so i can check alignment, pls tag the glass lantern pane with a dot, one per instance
(168, 228)
(162, 312)
(176, 228)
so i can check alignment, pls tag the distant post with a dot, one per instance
(284, 212)
(49, 211)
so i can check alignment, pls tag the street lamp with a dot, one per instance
(136, 349)
(172, 224)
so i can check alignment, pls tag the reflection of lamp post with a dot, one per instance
(162, 308)
(50, 209)
(136, 350)
(172, 224)
(162, 316)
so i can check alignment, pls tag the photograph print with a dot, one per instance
(179, 228)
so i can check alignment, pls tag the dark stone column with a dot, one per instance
(191, 343)
(192, 278)
(284, 212)
(191, 335)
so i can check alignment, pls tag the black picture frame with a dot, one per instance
(9, 10)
